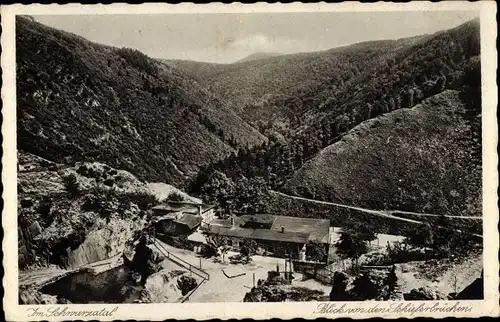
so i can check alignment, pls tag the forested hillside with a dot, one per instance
(117, 106)
(417, 159)
(273, 93)
(325, 93)
(420, 68)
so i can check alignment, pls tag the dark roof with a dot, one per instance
(189, 220)
(292, 237)
(296, 228)
(187, 207)
(261, 234)
(259, 218)
(318, 229)
(225, 231)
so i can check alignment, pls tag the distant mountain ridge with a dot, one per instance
(80, 101)
(257, 56)
(290, 93)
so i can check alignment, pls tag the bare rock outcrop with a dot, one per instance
(424, 294)
(34, 297)
(73, 215)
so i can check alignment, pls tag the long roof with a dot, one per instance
(318, 230)
(261, 234)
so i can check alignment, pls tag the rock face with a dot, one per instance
(279, 290)
(475, 291)
(162, 287)
(75, 215)
(30, 296)
(424, 294)
(145, 261)
(106, 241)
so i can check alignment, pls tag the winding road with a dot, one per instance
(381, 213)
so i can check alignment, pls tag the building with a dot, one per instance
(281, 236)
(173, 218)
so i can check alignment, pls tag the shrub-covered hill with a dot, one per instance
(77, 100)
(422, 159)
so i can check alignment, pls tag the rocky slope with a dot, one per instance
(75, 215)
(416, 159)
(80, 101)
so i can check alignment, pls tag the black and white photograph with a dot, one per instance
(249, 157)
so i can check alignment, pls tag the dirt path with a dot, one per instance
(382, 213)
(390, 212)
(370, 211)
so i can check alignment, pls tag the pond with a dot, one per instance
(113, 286)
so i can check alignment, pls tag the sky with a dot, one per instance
(228, 37)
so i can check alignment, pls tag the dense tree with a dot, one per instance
(366, 233)
(248, 247)
(351, 246)
(316, 252)
(365, 287)
(421, 237)
(218, 244)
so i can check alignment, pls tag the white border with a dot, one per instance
(487, 307)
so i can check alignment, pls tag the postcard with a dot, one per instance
(255, 161)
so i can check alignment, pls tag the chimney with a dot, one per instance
(282, 229)
(199, 210)
(232, 221)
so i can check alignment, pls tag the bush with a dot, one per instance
(248, 247)
(366, 287)
(175, 196)
(400, 252)
(138, 60)
(143, 200)
(352, 246)
(186, 284)
(423, 237)
(83, 170)
(316, 252)
(71, 185)
(208, 251)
